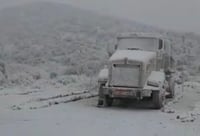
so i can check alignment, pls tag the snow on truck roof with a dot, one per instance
(144, 35)
(133, 55)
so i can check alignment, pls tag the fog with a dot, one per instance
(179, 15)
(172, 14)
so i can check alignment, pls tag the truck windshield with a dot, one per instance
(147, 44)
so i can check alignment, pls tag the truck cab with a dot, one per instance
(147, 42)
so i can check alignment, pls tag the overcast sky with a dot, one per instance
(180, 15)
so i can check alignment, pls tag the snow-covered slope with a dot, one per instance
(45, 40)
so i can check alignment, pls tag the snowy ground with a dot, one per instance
(46, 113)
(82, 118)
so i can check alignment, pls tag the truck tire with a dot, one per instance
(158, 99)
(108, 101)
(171, 89)
(101, 96)
(100, 103)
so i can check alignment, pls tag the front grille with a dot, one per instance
(125, 76)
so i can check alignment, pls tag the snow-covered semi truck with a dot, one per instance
(141, 66)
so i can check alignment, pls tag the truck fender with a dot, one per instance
(155, 81)
(103, 75)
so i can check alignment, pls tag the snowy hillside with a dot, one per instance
(46, 40)
(42, 41)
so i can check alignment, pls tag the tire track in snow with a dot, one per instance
(45, 102)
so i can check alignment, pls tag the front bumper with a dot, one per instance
(124, 92)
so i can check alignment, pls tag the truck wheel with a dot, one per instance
(158, 99)
(108, 101)
(171, 90)
(100, 103)
(101, 96)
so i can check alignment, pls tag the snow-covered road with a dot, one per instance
(54, 114)
(83, 118)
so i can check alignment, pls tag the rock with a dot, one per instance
(168, 110)
(14, 107)
(186, 117)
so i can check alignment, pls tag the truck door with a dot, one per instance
(167, 55)
(160, 55)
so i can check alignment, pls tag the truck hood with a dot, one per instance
(133, 55)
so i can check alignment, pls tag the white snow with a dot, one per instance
(141, 34)
(133, 55)
(146, 44)
(186, 105)
(83, 118)
(103, 74)
(47, 113)
(157, 77)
